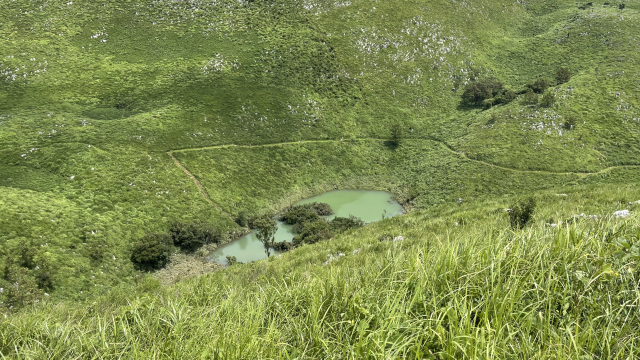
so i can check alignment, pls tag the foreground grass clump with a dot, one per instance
(119, 118)
(435, 291)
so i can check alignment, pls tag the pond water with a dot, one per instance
(368, 205)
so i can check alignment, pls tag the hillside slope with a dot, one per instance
(95, 96)
(446, 283)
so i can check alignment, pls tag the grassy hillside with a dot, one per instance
(445, 283)
(120, 118)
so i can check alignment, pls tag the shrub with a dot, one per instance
(231, 260)
(563, 75)
(21, 288)
(548, 99)
(476, 92)
(242, 219)
(190, 237)
(540, 85)
(321, 209)
(300, 216)
(510, 95)
(521, 212)
(312, 232)
(305, 213)
(340, 224)
(488, 103)
(152, 252)
(530, 98)
(283, 246)
(44, 277)
(27, 255)
(570, 123)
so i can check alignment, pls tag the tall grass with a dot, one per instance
(475, 291)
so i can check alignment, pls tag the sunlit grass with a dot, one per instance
(478, 290)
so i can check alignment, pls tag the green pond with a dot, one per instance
(368, 205)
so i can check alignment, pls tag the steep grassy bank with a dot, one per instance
(94, 94)
(458, 284)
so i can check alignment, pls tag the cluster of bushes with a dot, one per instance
(153, 251)
(490, 91)
(321, 229)
(305, 213)
(25, 278)
(309, 225)
(192, 236)
(487, 92)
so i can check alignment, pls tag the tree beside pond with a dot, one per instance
(266, 227)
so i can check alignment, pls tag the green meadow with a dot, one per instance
(121, 119)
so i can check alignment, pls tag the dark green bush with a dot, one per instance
(509, 96)
(530, 98)
(396, 136)
(231, 260)
(521, 212)
(540, 85)
(242, 219)
(190, 237)
(305, 213)
(548, 99)
(563, 75)
(340, 224)
(44, 275)
(283, 246)
(476, 92)
(312, 232)
(570, 123)
(27, 255)
(152, 252)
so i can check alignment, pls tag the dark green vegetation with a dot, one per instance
(303, 213)
(151, 252)
(266, 227)
(93, 96)
(191, 237)
(435, 290)
(310, 226)
(521, 213)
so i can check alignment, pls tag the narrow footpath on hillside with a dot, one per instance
(461, 154)
(198, 184)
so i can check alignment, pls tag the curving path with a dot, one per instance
(198, 184)
(444, 144)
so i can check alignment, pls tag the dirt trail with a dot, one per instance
(198, 184)
(581, 175)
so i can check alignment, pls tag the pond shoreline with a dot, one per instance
(369, 205)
